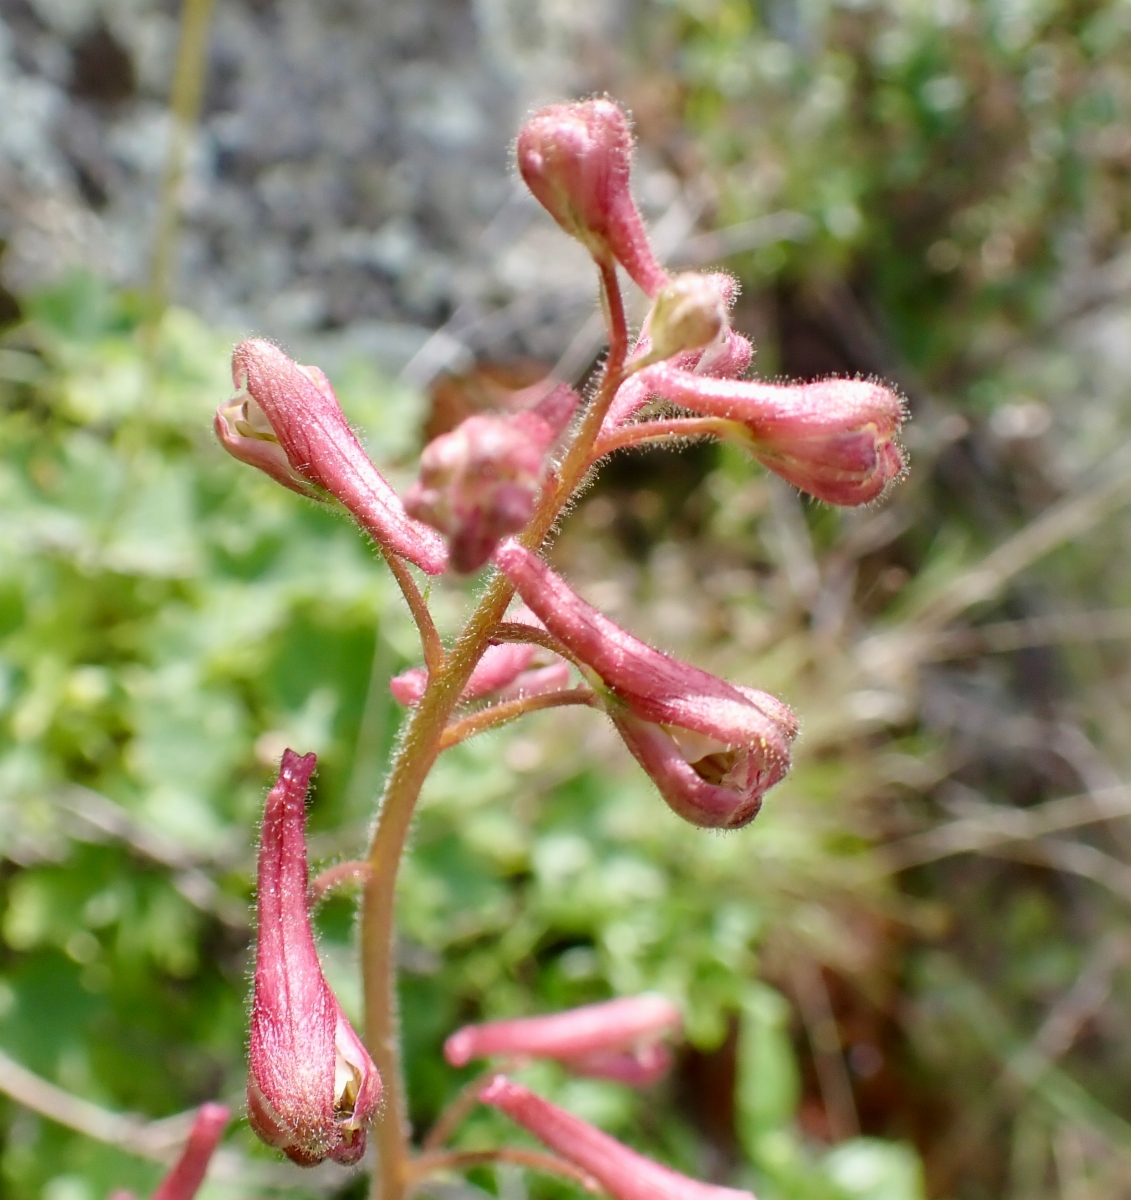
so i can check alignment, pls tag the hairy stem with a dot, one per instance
(343, 872)
(653, 433)
(456, 1110)
(511, 710)
(415, 757)
(429, 638)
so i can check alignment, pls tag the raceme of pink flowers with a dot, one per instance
(312, 1087)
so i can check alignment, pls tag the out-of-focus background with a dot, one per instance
(909, 978)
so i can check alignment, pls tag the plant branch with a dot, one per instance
(429, 638)
(342, 872)
(667, 431)
(511, 710)
(533, 1160)
(415, 757)
(453, 1113)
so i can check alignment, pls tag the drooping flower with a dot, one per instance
(712, 748)
(835, 439)
(619, 1039)
(623, 1173)
(576, 159)
(312, 1087)
(286, 420)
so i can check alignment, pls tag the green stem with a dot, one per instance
(414, 759)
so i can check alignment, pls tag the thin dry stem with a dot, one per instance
(511, 710)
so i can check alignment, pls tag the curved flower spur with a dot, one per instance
(312, 1087)
(713, 749)
(620, 1039)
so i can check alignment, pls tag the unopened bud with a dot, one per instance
(576, 159)
(688, 313)
(187, 1173)
(480, 482)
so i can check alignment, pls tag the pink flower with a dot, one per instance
(712, 748)
(187, 1173)
(286, 421)
(619, 1039)
(312, 1087)
(500, 665)
(688, 313)
(480, 482)
(576, 159)
(835, 439)
(623, 1173)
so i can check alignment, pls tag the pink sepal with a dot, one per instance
(312, 1087)
(305, 418)
(625, 1174)
(187, 1173)
(835, 439)
(618, 1039)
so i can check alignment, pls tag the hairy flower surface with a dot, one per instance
(576, 159)
(712, 748)
(835, 439)
(187, 1173)
(619, 1039)
(286, 420)
(312, 1087)
(622, 1172)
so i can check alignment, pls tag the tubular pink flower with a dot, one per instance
(537, 681)
(480, 482)
(187, 1173)
(623, 1173)
(500, 665)
(312, 1087)
(835, 439)
(619, 1039)
(286, 420)
(713, 749)
(576, 159)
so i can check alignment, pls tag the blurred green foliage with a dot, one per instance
(171, 621)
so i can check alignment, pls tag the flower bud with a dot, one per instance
(187, 1173)
(835, 439)
(500, 665)
(480, 482)
(576, 159)
(312, 1087)
(286, 421)
(619, 1039)
(712, 748)
(688, 313)
(623, 1173)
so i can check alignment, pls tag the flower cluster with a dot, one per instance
(487, 492)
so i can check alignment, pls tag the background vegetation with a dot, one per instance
(909, 977)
